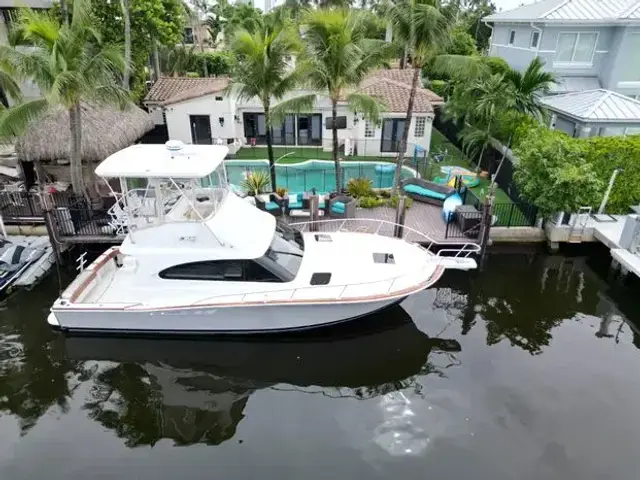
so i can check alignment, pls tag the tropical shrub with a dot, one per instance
(360, 187)
(393, 202)
(281, 191)
(553, 172)
(256, 182)
(370, 202)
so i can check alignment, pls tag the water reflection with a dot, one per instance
(522, 298)
(195, 391)
(34, 373)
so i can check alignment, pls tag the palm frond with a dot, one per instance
(14, 120)
(301, 104)
(459, 66)
(369, 106)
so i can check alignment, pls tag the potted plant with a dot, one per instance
(256, 183)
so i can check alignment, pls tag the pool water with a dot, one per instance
(316, 174)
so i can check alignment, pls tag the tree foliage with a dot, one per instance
(162, 20)
(554, 173)
(69, 64)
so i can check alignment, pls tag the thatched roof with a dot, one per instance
(105, 130)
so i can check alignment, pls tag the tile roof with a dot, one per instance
(596, 106)
(392, 87)
(612, 11)
(178, 89)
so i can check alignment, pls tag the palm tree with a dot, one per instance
(336, 59)
(487, 98)
(420, 28)
(70, 65)
(126, 11)
(262, 71)
(529, 86)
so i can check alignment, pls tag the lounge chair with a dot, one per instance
(341, 206)
(273, 203)
(425, 191)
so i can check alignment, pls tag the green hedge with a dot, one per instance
(557, 172)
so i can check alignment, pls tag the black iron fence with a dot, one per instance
(19, 207)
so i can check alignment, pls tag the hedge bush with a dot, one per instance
(557, 172)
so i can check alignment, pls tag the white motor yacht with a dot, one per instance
(199, 259)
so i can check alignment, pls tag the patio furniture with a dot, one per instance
(341, 206)
(271, 203)
(468, 219)
(294, 201)
(425, 191)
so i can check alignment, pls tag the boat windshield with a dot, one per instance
(284, 255)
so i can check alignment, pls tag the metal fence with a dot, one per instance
(19, 207)
(506, 214)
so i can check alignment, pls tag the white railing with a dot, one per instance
(377, 226)
(413, 281)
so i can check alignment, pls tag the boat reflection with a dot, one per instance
(196, 390)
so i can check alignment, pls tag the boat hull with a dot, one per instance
(257, 319)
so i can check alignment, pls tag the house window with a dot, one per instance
(392, 129)
(420, 124)
(631, 69)
(576, 47)
(535, 39)
(188, 35)
(512, 37)
(369, 129)
(218, 99)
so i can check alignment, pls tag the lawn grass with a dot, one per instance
(455, 157)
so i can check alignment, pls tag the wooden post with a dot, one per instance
(487, 218)
(313, 212)
(398, 229)
(49, 223)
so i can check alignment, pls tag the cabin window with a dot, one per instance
(512, 37)
(208, 270)
(220, 270)
(535, 39)
(219, 99)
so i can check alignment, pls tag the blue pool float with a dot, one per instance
(449, 207)
(385, 168)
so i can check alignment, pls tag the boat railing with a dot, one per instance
(314, 293)
(385, 227)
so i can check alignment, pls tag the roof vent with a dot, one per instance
(174, 145)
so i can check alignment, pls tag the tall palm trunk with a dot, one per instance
(334, 135)
(65, 11)
(156, 58)
(75, 124)
(272, 163)
(484, 146)
(407, 126)
(126, 76)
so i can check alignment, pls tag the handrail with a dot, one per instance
(340, 295)
(466, 249)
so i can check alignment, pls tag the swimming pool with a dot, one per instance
(318, 174)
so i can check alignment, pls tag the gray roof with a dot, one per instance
(595, 106)
(568, 84)
(563, 11)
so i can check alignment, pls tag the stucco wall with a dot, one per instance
(231, 110)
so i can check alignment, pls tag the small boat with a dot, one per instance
(198, 259)
(16, 259)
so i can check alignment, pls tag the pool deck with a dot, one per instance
(422, 217)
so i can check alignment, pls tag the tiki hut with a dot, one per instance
(105, 130)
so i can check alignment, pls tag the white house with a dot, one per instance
(198, 110)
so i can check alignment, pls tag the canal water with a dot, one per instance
(527, 370)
